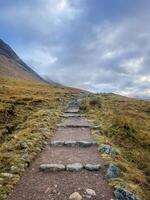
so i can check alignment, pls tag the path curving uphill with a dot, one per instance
(68, 168)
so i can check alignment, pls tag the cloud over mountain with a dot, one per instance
(103, 46)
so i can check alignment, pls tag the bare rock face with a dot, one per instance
(12, 64)
(75, 196)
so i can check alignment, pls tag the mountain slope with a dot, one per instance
(12, 66)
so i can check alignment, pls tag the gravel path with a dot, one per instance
(71, 134)
(40, 185)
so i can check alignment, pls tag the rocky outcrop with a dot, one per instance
(122, 194)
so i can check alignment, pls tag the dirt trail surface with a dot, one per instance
(59, 185)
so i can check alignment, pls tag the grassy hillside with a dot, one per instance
(29, 112)
(124, 123)
(10, 68)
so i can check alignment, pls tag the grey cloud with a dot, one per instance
(77, 45)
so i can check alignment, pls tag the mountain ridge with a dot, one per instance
(12, 65)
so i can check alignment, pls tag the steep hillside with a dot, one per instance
(12, 66)
(123, 124)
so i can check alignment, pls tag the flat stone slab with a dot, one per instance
(82, 144)
(57, 143)
(69, 167)
(75, 122)
(86, 143)
(75, 167)
(73, 126)
(52, 167)
(66, 115)
(72, 110)
(70, 143)
(92, 167)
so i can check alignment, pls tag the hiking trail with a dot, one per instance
(69, 167)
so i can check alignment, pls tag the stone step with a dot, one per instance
(73, 167)
(82, 144)
(72, 134)
(68, 115)
(72, 110)
(73, 126)
(75, 123)
(73, 154)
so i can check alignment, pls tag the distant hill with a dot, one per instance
(12, 66)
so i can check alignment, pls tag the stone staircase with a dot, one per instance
(69, 167)
(73, 134)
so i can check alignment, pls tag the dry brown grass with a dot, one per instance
(124, 123)
(29, 112)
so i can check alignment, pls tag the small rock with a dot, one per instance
(90, 192)
(13, 168)
(108, 149)
(52, 167)
(97, 127)
(44, 130)
(122, 194)
(7, 175)
(75, 196)
(47, 190)
(74, 167)
(25, 155)
(91, 167)
(87, 196)
(1, 180)
(24, 145)
(113, 171)
(45, 143)
(58, 143)
(97, 132)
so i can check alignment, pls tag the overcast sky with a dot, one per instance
(99, 45)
